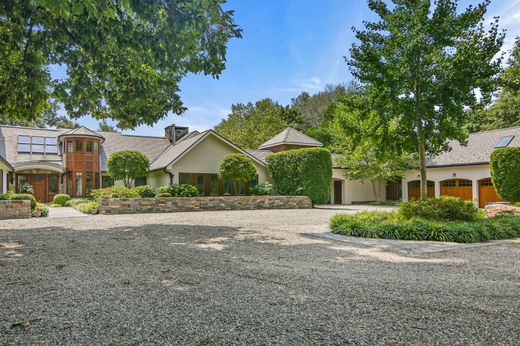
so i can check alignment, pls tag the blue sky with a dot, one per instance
(288, 46)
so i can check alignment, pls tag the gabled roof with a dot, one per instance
(478, 150)
(174, 152)
(81, 131)
(292, 137)
(150, 146)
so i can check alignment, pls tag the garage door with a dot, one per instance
(487, 193)
(414, 189)
(457, 188)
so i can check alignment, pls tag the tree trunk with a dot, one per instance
(376, 190)
(422, 162)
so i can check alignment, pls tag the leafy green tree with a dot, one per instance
(505, 112)
(358, 138)
(105, 127)
(238, 168)
(48, 118)
(124, 59)
(504, 165)
(250, 125)
(128, 165)
(313, 107)
(422, 64)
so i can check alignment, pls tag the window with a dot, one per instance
(53, 184)
(449, 183)
(199, 183)
(213, 185)
(88, 147)
(95, 147)
(184, 178)
(89, 182)
(465, 183)
(69, 147)
(486, 182)
(69, 184)
(107, 181)
(140, 181)
(228, 187)
(37, 144)
(504, 141)
(79, 146)
(79, 184)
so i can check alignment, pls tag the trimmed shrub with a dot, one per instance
(163, 194)
(145, 191)
(6, 196)
(505, 173)
(26, 197)
(60, 199)
(127, 165)
(262, 189)
(444, 208)
(238, 168)
(390, 226)
(114, 192)
(178, 190)
(302, 172)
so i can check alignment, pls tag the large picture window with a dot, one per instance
(37, 145)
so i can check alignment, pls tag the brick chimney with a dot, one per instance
(175, 133)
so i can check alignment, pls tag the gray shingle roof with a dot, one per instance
(9, 141)
(81, 131)
(150, 146)
(478, 150)
(260, 154)
(291, 136)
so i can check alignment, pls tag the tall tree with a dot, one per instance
(422, 63)
(249, 125)
(105, 127)
(358, 137)
(505, 112)
(123, 59)
(48, 118)
(313, 107)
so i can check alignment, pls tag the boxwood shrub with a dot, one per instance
(145, 191)
(505, 173)
(389, 225)
(60, 199)
(445, 208)
(302, 172)
(178, 190)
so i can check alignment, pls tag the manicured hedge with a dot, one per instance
(388, 225)
(305, 172)
(443, 208)
(505, 172)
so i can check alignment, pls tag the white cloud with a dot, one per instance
(304, 84)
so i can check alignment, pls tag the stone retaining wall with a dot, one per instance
(17, 209)
(178, 204)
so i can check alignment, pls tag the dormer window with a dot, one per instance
(504, 141)
(37, 145)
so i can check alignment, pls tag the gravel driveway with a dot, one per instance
(246, 277)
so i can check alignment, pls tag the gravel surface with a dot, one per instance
(247, 277)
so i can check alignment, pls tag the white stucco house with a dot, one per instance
(74, 162)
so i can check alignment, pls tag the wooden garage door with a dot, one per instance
(457, 188)
(487, 193)
(414, 189)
